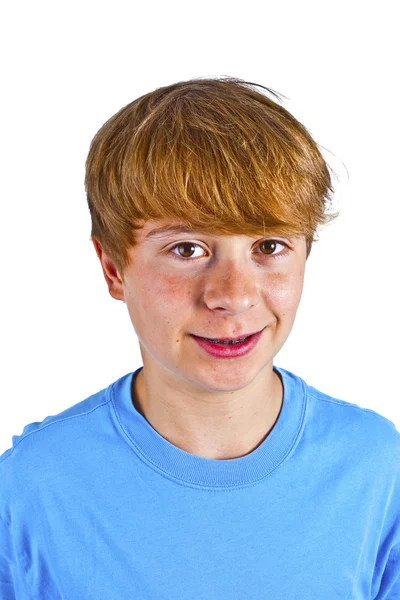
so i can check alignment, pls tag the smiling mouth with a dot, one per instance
(228, 341)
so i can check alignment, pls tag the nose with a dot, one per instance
(231, 287)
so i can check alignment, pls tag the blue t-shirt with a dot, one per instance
(96, 505)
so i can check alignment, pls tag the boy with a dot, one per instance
(208, 472)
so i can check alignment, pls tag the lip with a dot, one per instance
(229, 351)
(227, 339)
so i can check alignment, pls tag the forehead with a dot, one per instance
(158, 230)
(155, 230)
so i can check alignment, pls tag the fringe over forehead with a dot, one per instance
(213, 154)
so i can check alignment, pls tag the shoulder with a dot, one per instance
(362, 429)
(344, 428)
(43, 444)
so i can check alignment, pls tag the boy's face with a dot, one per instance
(222, 287)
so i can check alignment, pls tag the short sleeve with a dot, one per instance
(7, 591)
(390, 584)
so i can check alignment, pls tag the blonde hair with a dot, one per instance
(214, 154)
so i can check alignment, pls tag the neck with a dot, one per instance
(224, 431)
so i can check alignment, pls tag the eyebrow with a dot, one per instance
(165, 230)
(168, 230)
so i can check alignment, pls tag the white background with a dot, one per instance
(67, 67)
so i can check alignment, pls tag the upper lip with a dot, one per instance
(228, 339)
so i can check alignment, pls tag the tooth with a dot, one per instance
(226, 343)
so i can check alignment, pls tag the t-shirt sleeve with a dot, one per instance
(390, 584)
(7, 590)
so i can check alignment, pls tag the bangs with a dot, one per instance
(214, 155)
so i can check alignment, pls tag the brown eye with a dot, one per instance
(188, 249)
(269, 246)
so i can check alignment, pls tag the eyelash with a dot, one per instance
(274, 256)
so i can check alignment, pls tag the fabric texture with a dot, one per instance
(96, 504)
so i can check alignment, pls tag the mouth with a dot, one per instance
(228, 341)
(229, 348)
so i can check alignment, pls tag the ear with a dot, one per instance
(309, 245)
(111, 275)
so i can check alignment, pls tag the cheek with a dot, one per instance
(165, 297)
(284, 291)
(166, 286)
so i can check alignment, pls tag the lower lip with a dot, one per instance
(229, 351)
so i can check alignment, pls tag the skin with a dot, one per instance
(225, 286)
